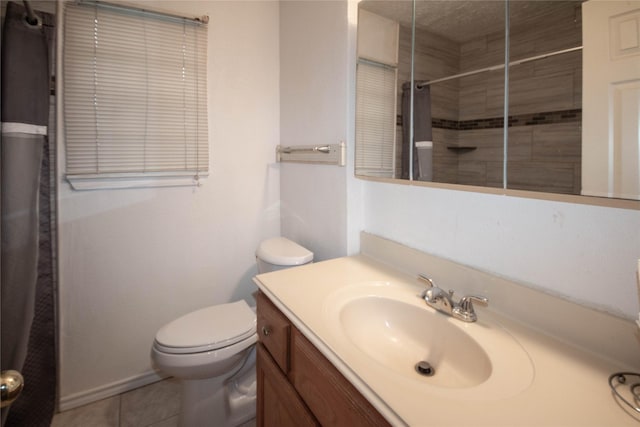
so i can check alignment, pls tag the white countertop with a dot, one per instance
(569, 385)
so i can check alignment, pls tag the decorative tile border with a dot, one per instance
(547, 117)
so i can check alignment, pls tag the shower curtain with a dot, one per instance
(421, 124)
(27, 281)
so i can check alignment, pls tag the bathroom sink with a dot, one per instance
(385, 329)
(398, 335)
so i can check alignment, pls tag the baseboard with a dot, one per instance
(108, 390)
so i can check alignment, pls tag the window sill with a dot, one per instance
(124, 181)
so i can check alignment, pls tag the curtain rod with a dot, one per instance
(126, 8)
(420, 85)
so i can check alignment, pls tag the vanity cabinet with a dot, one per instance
(297, 385)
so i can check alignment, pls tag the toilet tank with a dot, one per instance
(279, 253)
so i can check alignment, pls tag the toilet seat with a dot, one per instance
(207, 329)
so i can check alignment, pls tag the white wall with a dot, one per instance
(314, 110)
(587, 254)
(132, 260)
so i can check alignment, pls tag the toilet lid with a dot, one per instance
(208, 329)
(282, 251)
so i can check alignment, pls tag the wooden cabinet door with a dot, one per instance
(278, 403)
(327, 393)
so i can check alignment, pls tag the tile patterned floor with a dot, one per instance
(155, 405)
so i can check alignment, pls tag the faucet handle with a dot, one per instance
(464, 311)
(426, 280)
(466, 302)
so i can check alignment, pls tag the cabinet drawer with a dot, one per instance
(273, 331)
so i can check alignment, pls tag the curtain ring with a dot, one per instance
(28, 21)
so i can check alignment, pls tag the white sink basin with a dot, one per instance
(385, 329)
(398, 335)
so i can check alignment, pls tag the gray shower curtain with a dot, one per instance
(422, 129)
(27, 283)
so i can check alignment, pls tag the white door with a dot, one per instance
(611, 99)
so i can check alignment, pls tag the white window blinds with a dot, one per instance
(135, 97)
(375, 119)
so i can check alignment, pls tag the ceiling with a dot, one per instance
(464, 20)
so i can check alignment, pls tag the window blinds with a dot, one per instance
(375, 119)
(135, 97)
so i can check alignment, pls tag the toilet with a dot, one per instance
(211, 351)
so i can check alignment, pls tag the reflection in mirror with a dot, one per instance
(459, 102)
(457, 125)
(611, 99)
(380, 66)
(456, 63)
(545, 96)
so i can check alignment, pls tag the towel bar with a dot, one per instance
(289, 150)
(330, 154)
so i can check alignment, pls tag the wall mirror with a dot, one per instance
(454, 112)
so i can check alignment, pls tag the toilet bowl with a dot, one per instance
(211, 351)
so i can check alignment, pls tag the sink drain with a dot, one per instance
(425, 368)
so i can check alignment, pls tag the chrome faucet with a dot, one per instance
(444, 302)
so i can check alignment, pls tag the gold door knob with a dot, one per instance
(11, 386)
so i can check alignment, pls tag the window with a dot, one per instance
(135, 97)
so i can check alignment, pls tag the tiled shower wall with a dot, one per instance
(435, 57)
(544, 149)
